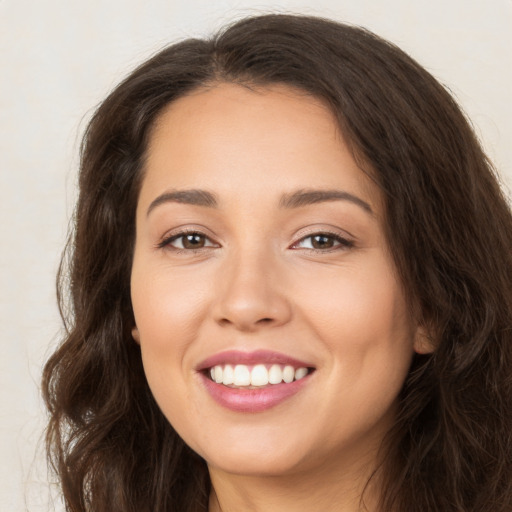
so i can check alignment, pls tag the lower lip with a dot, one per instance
(252, 400)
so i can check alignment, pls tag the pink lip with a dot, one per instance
(251, 400)
(234, 357)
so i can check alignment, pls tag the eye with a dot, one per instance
(188, 241)
(323, 242)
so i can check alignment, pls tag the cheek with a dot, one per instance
(166, 314)
(168, 306)
(168, 309)
(361, 307)
(363, 321)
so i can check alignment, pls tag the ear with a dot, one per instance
(423, 342)
(136, 335)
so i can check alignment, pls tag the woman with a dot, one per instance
(289, 287)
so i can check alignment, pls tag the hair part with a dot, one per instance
(448, 227)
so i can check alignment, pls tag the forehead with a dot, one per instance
(230, 137)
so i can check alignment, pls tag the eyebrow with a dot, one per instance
(308, 197)
(297, 199)
(193, 196)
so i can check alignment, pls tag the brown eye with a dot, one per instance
(323, 241)
(188, 241)
(193, 241)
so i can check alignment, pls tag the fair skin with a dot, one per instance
(256, 262)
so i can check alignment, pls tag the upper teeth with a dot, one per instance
(258, 375)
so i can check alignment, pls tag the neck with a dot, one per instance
(340, 490)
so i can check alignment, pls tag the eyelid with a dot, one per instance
(345, 240)
(176, 233)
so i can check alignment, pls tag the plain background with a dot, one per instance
(59, 58)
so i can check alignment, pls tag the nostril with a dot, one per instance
(261, 321)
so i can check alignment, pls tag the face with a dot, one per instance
(273, 329)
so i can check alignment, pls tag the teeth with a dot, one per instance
(242, 376)
(288, 374)
(228, 375)
(218, 374)
(257, 376)
(299, 373)
(275, 374)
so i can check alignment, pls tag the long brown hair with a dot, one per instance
(448, 226)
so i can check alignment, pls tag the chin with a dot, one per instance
(254, 453)
(255, 464)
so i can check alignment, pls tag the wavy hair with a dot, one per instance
(448, 226)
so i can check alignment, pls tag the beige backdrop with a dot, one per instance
(58, 58)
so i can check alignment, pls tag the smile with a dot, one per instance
(247, 377)
(255, 381)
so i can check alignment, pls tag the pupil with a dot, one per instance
(322, 242)
(193, 241)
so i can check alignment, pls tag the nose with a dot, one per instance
(252, 295)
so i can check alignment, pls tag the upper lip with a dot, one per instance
(235, 357)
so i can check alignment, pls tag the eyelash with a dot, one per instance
(166, 242)
(342, 243)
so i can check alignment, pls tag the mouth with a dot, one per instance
(243, 376)
(253, 382)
